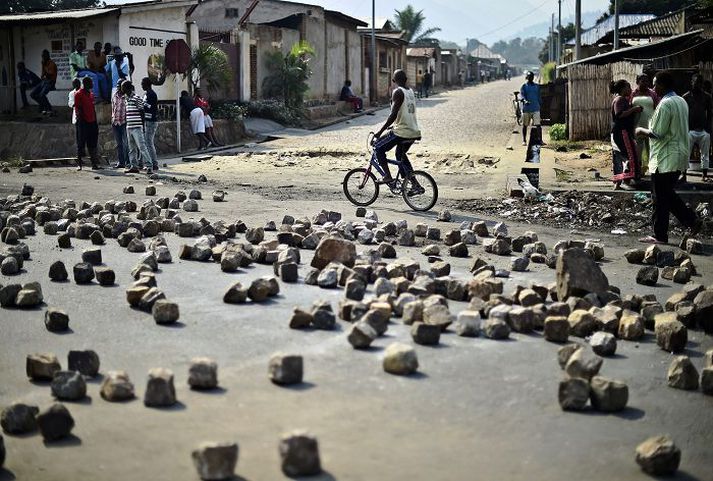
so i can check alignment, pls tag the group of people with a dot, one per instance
(104, 64)
(196, 110)
(655, 129)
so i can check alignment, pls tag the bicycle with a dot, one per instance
(417, 187)
(516, 107)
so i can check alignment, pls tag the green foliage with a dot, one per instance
(22, 6)
(412, 22)
(288, 75)
(558, 132)
(229, 110)
(210, 67)
(547, 72)
(567, 33)
(274, 110)
(656, 7)
(518, 51)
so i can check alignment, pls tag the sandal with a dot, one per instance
(652, 240)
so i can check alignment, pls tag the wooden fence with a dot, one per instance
(589, 100)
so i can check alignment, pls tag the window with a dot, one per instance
(382, 60)
(231, 13)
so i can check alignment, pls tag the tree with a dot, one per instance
(210, 67)
(289, 74)
(568, 32)
(24, 6)
(518, 51)
(412, 22)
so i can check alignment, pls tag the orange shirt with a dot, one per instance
(49, 71)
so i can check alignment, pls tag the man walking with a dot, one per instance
(118, 128)
(668, 132)
(46, 85)
(530, 95)
(427, 82)
(700, 116)
(28, 80)
(150, 122)
(87, 123)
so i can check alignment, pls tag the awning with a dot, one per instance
(54, 16)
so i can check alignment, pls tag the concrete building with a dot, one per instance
(420, 60)
(278, 25)
(143, 29)
(390, 55)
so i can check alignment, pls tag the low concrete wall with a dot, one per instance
(57, 140)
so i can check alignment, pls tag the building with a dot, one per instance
(420, 60)
(142, 29)
(278, 25)
(390, 55)
(484, 61)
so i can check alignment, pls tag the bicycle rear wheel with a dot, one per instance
(360, 187)
(420, 191)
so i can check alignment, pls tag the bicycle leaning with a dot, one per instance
(417, 187)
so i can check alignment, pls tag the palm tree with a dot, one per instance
(410, 21)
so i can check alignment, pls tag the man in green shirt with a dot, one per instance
(77, 61)
(668, 131)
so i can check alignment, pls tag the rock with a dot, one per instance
(289, 272)
(41, 367)
(704, 310)
(603, 343)
(83, 273)
(556, 329)
(425, 334)
(28, 298)
(631, 326)
(400, 359)
(58, 273)
(480, 228)
(9, 266)
(69, 386)
(218, 196)
(361, 335)
(64, 241)
(259, 290)
(495, 329)
(648, 276)
(573, 394)
(149, 298)
(203, 373)
(327, 279)
(658, 456)
(707, 380)
(55, 422)
(8, 294)
(160, 391)
(437, 315)
(190, 206)
(215, 461)
(583, 364)
(299, 454)
(165, 312)
(285, 369)
(521, 319)
(519, 264)
(468, 323)
(136, 246)
(565, 352)
(407, 238)
(682, 374)
(334, 250)
(694, 246)
(85, 362)
(236, 294)
(671, 335)
(608, 395)
(412, 312)
(579, 275)
(300, 319)
(97, 238)
(129, 189)
(444, 216)
(117, 387)
(105, 276)
(582, 323)
(18, 418)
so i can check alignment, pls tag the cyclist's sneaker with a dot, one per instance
(415, 190)
(386, 181)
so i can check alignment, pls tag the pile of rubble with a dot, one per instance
(586, 210)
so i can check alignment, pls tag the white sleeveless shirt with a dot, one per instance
(406, 125)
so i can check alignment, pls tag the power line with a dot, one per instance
(483, 35)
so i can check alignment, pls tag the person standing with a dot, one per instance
(96, 62)
(700, 117)
(135, 130)
(668, 132)
(46, 85)
(117, 69)
(87, 123)
(625, 161)
(530, 95)
(150, 121)
(76, 86)
(427, 82)
(118, 128)
(203, 104)
(196, 116)
(646, 98)
(28, 80)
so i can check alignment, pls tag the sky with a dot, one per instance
(486, 20)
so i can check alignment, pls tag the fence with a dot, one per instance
(589, 100)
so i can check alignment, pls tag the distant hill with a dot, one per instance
(541, 30)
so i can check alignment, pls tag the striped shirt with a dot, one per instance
(670, 144)
(134, 107)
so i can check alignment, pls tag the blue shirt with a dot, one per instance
(114, 70)
(531, 93)
(28, 77)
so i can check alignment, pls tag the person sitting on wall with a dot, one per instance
(78, 69)
(195, 114)
(96, 62)
(347, 95)
(202, 102)
(46, 85)
(28, 80)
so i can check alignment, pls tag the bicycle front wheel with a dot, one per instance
(420, 191)
(360, 187)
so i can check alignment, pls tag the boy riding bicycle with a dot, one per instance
(404, 133)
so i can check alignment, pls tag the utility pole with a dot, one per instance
(578, 30)
(616, 24)
(552, 40)
(372, 80)
(559, 34)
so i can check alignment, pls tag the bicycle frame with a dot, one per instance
(374, 163)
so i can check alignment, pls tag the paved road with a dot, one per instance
(479, 409)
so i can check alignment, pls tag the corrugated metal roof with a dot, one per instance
(483, 52)
(420, 51)
(58, 15)
(593, 35)
(664, 26)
